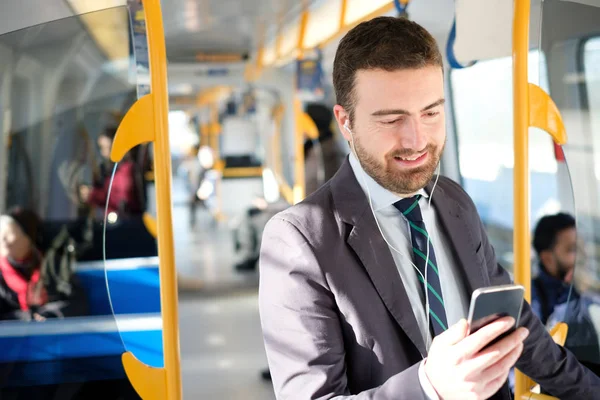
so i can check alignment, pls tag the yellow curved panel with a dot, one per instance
(559, 333)
(137, 127)
(537, 396)
(149, 382)
(307, 126)
(544, 114)
(150, 224)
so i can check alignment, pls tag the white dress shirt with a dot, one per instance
(395, 228)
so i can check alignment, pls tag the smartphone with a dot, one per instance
(491, 303)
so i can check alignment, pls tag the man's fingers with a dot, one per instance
(495, 353)
(473, 343)
(503, 366)
(453, 335)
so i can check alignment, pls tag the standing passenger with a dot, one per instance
(342, 298)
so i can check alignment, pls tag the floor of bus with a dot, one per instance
(222, 352)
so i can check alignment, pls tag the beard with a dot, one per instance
(563, 270)
(394, 178)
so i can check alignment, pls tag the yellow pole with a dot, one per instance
(343, 11)
(302, 33)
(162, 170)
(299, 178)
(521, 243)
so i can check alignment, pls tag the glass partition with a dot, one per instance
(567, 285)
(62, 95)
(484, 124)
(130, 252)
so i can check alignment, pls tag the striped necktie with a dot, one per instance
(409, 207)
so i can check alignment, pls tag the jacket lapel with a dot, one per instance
(454, 219)
(366, 241)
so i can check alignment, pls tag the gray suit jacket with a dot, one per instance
(335, 316)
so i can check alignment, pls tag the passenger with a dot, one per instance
(322, 163)
(555, 242)
(27, 290)
(327, 157)
(127, 191)
(341, 304)
(195, 172)
(554, 297)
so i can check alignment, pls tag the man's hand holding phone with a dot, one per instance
(460, 366)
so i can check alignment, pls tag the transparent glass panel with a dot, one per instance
(567, 285)
(62, 84)
(483, 111)
(121, 195)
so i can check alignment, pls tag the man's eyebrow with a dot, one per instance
(434, 105)
(399, 111)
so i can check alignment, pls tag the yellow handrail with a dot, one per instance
(299, 170)
(532, 107)
(162, 160)
(147, 121)
(343, 27)
(521, 239)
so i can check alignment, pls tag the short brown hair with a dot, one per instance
(387, 43)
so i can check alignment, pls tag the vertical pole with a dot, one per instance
(522, 265)
(162, 170)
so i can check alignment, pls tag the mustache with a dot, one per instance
(430, 148)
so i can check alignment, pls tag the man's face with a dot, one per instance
(398, 127)
(564, 254)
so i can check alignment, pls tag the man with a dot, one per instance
(343, 312)
(555, 242)
(553, 297)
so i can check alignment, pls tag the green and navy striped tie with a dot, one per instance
(409, 207)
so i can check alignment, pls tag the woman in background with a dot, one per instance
(27, 291)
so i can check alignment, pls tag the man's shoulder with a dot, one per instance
(454, 191)
(315, 210)
(451, 187)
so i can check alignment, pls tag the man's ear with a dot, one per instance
(342, 116)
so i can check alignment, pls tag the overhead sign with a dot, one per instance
(310, 79)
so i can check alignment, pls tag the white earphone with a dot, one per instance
(347, 127)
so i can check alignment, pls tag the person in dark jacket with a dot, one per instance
(321, 161)
(555, 242)
(28, 291)
(554, 298)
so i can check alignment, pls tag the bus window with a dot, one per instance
(482, 99)
(591, 65)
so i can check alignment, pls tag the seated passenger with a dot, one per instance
(555, 242)
(28, 288)
(554, 298)
(127, 191)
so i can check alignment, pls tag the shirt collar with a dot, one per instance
(380, 196)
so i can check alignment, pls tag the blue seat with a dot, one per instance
(133, 286)
(76, 349)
